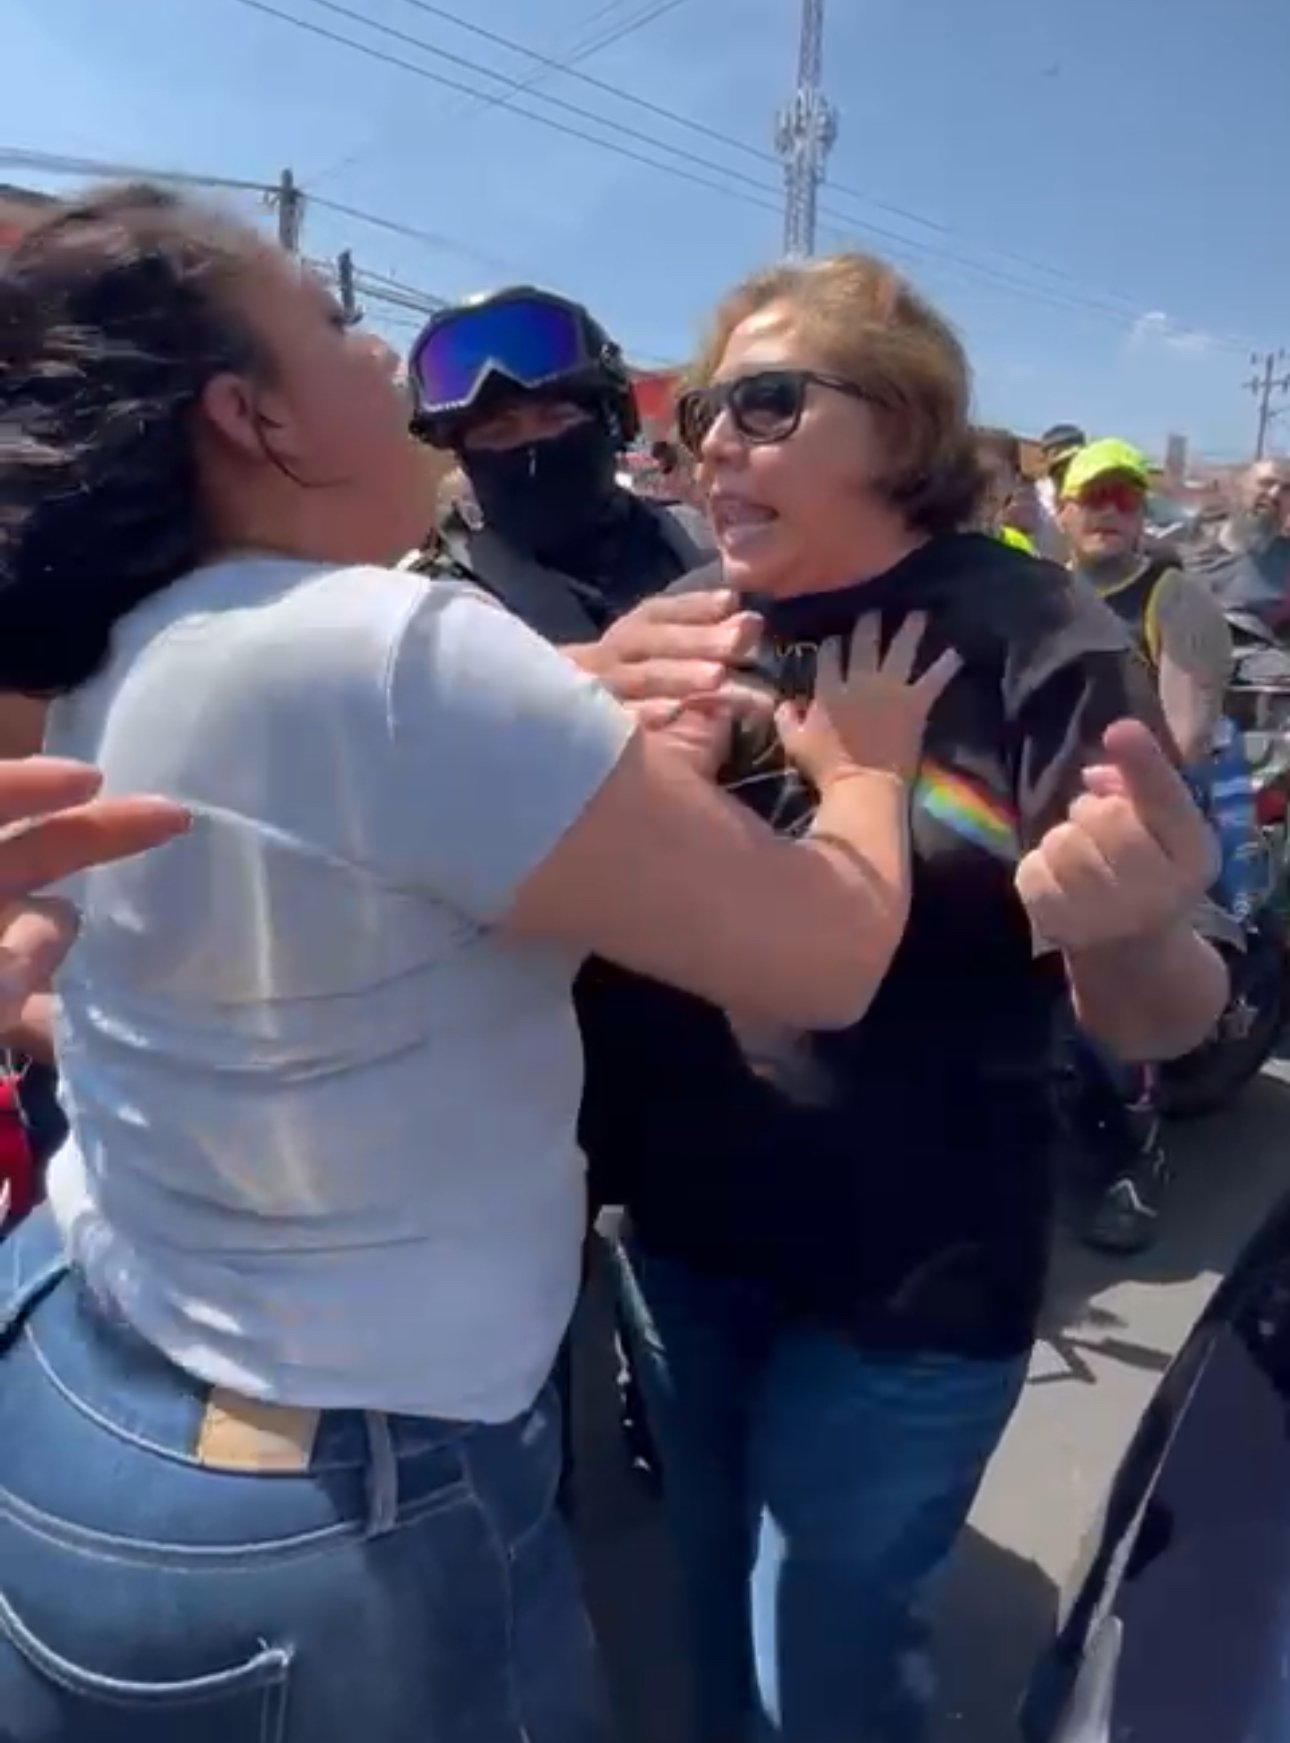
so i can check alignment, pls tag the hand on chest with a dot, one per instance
(962, 801)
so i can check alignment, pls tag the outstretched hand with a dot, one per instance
(1134, 856)
(675, 648)
(55, 826)
(872, 717)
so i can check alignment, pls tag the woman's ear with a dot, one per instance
(231, 410)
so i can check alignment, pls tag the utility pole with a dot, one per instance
(805, 133)
(289, 203)
(1263, 385)
(345, 287)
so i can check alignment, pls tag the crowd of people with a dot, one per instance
(732, 861)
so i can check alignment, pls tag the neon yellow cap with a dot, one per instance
(1104, 459)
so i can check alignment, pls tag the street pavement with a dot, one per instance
(1109, 1332)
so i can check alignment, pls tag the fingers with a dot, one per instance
(788, 725)
(665, 680)
(862, 653)
(1040, 895)
(1078, 866)
(33, 786)
(657, 711)
(731, 701)
(734, 639)
(904, 646)
(710, 606)
(34, 939)
(902, 655)
(1114, 831)
(829, 680)
(107, 829)
(1157, 790)
(936, 679)
(1103, 782)
(748, 701)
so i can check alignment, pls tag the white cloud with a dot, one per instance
(1159, 330)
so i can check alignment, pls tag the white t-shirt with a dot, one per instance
(323, 1118)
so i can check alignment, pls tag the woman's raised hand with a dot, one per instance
(51, 825)
(872, 716)
(1133, 857)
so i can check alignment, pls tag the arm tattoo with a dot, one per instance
(1195, 657)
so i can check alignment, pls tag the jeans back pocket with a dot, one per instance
(44, 1695)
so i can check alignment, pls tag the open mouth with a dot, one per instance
(736, 515)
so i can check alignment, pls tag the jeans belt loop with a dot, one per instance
(382, 1475)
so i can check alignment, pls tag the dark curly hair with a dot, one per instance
(114, 315)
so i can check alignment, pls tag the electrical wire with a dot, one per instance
(751, 191)
(407, 40)
(705, 131)
(384, 57)
(550, 67)
(481, 105)
(88, 166)
(410, 232)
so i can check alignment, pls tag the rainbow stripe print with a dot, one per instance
(963, 805)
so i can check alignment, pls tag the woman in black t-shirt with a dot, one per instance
(837, 1241)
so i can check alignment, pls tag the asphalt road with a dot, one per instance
(1110, 1330)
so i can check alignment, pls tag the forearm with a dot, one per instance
(1192, 708)
(1195, 657)
(861, 834)
(1150, 998)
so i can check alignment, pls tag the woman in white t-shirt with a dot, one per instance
(277, 1457)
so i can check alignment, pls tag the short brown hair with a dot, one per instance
(873, 328)
(999, 448)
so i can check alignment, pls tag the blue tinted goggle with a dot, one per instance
(531, 340)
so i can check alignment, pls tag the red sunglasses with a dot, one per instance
(1120, 495)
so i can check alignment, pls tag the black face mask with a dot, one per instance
(546, 496)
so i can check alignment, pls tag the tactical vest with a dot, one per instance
(1135, 603)
(554, 604)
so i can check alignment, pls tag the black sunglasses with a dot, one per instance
(765, 406)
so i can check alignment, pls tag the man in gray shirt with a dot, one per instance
(1246, 562)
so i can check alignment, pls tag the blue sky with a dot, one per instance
(1094, 193)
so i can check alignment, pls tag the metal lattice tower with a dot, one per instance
(805, 132)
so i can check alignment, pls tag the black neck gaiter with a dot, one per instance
(546, 496)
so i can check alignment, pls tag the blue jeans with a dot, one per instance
(405, 1579)
(813, 1491)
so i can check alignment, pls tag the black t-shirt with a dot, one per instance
(893, 1178)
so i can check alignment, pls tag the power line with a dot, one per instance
(547, 121)
(549, 68)
(482, 103)
(753, 193)
(1263, 386)
(410, 232)
(51, 163)
(88, 166)
(377, 288)
(705, 131)
(407, 40)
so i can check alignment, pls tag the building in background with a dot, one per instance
(1175, 462)
(656, 393)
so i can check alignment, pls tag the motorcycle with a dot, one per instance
(1252, 931)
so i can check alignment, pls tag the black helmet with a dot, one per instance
(521, 338)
